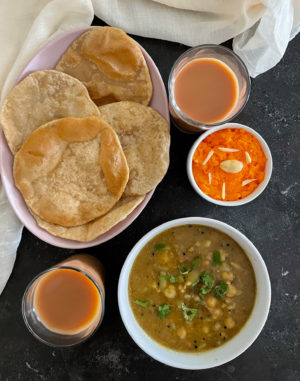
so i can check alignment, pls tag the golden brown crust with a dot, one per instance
(59, 173)
(93, 229)
(42, 96)
(145, 139)
(110, 64)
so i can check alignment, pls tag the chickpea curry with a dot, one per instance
(192, 288)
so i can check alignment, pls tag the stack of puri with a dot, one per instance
(87, 147)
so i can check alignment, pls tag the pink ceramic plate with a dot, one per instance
(47, 58)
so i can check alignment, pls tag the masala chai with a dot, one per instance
(65, 304)
(206, 90)
(208, 85)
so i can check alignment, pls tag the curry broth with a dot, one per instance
(192, 288)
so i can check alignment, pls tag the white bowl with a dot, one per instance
(261, 186)
(214, 357)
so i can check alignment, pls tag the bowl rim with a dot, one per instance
(235, 346)
(9, 186)
(202, 125)
(257, 191)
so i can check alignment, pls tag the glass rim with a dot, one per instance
(202, 125)
(40, 338)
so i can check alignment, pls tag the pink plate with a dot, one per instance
(47, 58)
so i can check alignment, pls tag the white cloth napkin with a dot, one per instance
(261, 31)
(261, 28)
(25, 26)
(10, 235)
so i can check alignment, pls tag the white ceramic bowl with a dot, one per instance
(214, 357)
(261, 186)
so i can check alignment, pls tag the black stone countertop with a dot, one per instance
(271, 222)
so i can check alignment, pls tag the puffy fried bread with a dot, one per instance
(110, 64)
(93, 229)
(145, 139)
(40, 98)
(71, 171)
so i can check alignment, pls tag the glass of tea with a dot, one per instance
(64, 305)
(208, 85)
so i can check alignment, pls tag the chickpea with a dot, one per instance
(228, 276)
(170, 292)
(154, 285)
(181, 332)
(217, 326)
(232, 291)
(216, 313)
(163, 283)
(187, 296)
(205, 263)
(224, 255)
(207, 243)
(205, 329)
(229, 322)
(211, 302)
(232, 306)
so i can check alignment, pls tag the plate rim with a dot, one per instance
(40, 232)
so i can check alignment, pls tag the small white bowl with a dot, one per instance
(214, 357)
(261, 186)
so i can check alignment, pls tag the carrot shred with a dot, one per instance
(234, 138)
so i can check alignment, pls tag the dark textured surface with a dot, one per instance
(271, 222)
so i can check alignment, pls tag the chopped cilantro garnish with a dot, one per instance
(163, 311)
(196, 281)
(164, 277)
(171, 278)
(208, 281)
(159, 246)
(216, 258)
(184, 270)
(195, 261)
(221, 289)
(188, 313)
(142, 304)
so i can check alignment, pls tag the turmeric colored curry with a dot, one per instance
(192, 288)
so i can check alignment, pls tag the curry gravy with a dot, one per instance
(192, 288)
